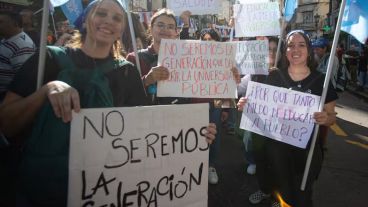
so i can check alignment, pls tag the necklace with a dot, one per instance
(298, 76)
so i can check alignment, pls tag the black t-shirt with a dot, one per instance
(125, 83)
(312, 84)
(293, 158)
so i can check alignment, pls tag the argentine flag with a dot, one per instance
(72, 9)
(355, 19)
(290, 6)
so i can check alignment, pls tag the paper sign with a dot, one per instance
(195, 7)
(261, 19)
(279, 113)
(139, 156)
(252, 57)
(199, 69)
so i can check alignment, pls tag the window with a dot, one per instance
(307, 17)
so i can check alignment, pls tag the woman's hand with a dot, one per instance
(328, 116)
(156, 74)
(63, 39)
(185, 16)
(272, 69)
(63, 99)
(211, 133)
(236, 75)
(320, 117)
(324, 118)
(241, 103)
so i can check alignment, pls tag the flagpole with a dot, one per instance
(43, 42)
(36, 12)
(231, 34)
(53, 25)
(134, 42)
(324, 92)
(280, 41)
(282, 32)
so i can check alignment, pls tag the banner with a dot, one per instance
(195, 7)
(278, 113)
(139, 156)
(197, 69)
(261, 19)
(252, 57)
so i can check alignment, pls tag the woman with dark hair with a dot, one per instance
(255, 144)
(215, 112)
(140, 35)
(287, 162)
(210, 34)
(215, 115)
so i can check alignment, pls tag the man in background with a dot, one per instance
(352, 58)
(28, 26)
(15, 48)
(322, 55)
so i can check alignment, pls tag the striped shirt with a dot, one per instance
(13, 53)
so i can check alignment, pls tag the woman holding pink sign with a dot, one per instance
(287, 162)
(163, 26)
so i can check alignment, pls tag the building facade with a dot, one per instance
(312, 16)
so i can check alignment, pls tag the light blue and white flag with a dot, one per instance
(355, 19)
(289, 9)
(72, 9)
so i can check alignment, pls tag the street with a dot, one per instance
(344, 177)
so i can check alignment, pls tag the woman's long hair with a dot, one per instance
(311, 63)
(213, 33)
(139, 31)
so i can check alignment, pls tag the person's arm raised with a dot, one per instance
(241, 103)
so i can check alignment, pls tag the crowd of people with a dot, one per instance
(98, 49)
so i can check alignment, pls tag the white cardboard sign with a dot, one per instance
(261, 19)
(252, 1)
(139, 156)
(195, 7)
(199, 69)
(279, 113)
(252, 57)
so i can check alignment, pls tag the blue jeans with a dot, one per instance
(215, 117)
(363, 79)
(232, 118)
(247, 140)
